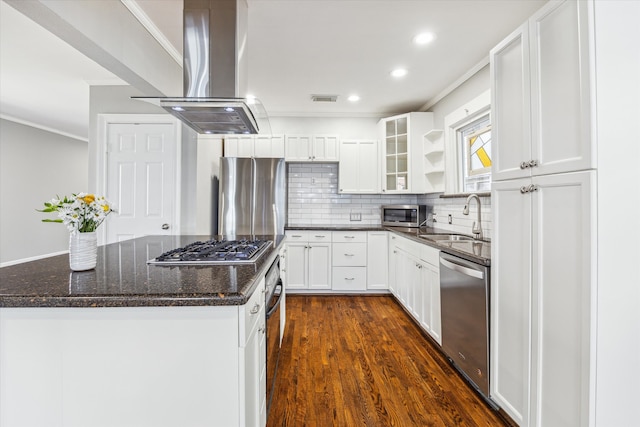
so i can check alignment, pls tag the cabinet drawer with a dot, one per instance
(430, 255)
(349, 236)
(349, 278)
(297, 236)
(253, 313)
(349, 254)
(319, 236)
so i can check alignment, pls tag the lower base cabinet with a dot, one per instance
(415, 282)
(308, 260)
(134, 366)
(542, 293)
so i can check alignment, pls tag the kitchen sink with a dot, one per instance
(447, 237)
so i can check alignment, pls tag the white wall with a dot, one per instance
(346, 127)
(618, 270)
(35, 166)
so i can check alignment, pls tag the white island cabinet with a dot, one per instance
(137, 366)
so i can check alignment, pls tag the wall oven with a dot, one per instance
(274, 295)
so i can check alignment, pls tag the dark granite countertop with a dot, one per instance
(474, 251)
(122, 278)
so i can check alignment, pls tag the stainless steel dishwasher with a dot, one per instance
(464, 299)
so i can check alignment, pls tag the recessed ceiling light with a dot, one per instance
(353, 98)
(399, 72)
(424, 38)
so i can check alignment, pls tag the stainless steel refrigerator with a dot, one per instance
(252, 196)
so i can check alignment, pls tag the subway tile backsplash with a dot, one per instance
(313, 199)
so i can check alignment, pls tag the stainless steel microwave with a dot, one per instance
(403, 215)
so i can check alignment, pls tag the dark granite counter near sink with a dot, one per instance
(122, 278)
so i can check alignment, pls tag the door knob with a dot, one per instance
(165, 226)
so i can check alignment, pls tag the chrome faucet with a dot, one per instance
(477, 225)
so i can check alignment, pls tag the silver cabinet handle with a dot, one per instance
(320, 236)
(255, 309)
(262, 330)
(533, 163)
(524, 165)
(349, 278)
(296, 235)
(523, 189)
(528, 189)
(349, 237)
(349, 254)
(165, 226)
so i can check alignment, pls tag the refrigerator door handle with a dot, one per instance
(275, 222)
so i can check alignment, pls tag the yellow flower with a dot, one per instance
(105, 208)
(89, 198)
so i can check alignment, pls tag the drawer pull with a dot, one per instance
(320, 237)
(296, 235)
(262, 330)
(255, 309)
(349, 254)
(349, 278)
(349, 237)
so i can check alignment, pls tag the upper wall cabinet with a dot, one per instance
(358, 170)
(403, 152)
(311, 148)
(254, 146)
(541, 100)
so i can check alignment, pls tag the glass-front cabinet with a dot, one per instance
(403, 151)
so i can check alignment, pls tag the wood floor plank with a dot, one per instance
(361, 361)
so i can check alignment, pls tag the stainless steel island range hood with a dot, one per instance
(215, 64)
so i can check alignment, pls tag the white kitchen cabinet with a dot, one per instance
(349, 260)
(541, 100)
(358, 171)
(254, 146)
(159, 366)
(377, 260)
(311, 148)
(429, 305)
(391, 251)
(254, 354)
(542, 298)
(308, 259)
(402, 152)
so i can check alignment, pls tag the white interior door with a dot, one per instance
(141, 179)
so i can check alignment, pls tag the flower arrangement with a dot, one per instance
(82, 212)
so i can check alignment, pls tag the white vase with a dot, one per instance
(83, 251)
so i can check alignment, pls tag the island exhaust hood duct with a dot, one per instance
(215, 63)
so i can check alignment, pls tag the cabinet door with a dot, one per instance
(377, 260)
(297, 265)
(560, 88)
(238, 146)
(510, 106)
(319, 265)
(391, 263)
(325, 148)
(368, 169)
(430, 319)
(510, 298)
(262, 146)
(254, 378)
(297, 148)
(348, 167)
(561, 299)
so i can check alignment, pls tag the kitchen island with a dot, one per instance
(131, 343)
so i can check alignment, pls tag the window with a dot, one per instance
(468, 147)
(474, 141)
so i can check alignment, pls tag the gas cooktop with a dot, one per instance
(215, 252)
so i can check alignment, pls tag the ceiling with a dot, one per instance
(296, 48)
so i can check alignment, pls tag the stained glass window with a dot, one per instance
(475, 147)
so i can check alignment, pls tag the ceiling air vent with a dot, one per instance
(324, 98)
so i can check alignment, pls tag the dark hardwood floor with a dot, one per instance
(361, 361)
